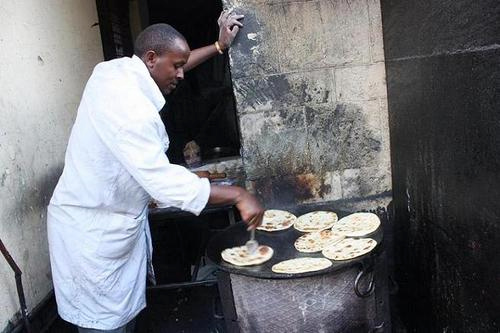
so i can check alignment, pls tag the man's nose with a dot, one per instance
(180, 74)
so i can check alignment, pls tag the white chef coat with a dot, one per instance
(99, 240)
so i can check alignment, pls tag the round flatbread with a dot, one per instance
(315, 221)
(349, 248)
(317, 241)
(275, 220)
(357, 224)
(301, 265)
(239, 255)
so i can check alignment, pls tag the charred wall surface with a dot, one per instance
(443, 73)
(59, 44)
(309, 82)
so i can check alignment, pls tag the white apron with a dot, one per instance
(99, 239)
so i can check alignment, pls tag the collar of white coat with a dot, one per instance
(147, 84)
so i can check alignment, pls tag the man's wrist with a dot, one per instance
(220, 48)
(239, 194)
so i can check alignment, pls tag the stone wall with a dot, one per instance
(309, 82)
(48, 51)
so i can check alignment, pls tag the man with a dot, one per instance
(99, 238)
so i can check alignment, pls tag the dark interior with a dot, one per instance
(202, 107)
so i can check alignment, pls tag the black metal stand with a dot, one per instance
(173, 213)
(227, 300)
(19, 285)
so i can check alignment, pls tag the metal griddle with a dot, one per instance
(282, 244)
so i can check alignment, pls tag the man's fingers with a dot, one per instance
(225, 14)
(231, 21)
(236, 16)
(234, 30)
(254, 222)
(257, 220)
(250, 224)
(222, 18)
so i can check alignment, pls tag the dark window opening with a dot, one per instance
(202, 108)
(114, 25)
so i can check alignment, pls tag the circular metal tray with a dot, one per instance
(282, 244)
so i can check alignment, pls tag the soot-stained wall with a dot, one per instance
(49, 49)
(309, 82)
(443, 73)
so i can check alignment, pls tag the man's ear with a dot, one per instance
(150, 58)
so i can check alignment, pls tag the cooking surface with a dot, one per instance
(282, 244)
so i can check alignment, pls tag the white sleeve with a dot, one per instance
(140, 150)
(124, 120)
(138, 147)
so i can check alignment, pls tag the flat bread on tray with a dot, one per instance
(301, 265)
(357, 224)
(275, 220)
(317, 241)
(239, 255)
(349, 248)
(315, 221)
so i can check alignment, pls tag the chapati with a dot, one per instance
(349, 248)
(315, 221)
(239, 255)
(317, 241)
(301, 265)
(357, 224)
(275, 220)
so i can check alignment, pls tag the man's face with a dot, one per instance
(167, 70)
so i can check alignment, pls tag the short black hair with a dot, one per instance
(158, 37)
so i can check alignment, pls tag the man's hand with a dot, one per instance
(229, 25)
(250, 209)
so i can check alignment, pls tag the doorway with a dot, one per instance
(202, 108)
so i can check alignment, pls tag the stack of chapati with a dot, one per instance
(324, 233)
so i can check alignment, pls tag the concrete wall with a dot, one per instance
(443, 81)
(309, 81)
(48, 51)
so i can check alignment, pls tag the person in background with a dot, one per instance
(98, 232)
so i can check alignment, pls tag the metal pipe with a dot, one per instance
(182, 285)
(19, 285)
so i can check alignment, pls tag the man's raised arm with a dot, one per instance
(229, 25)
